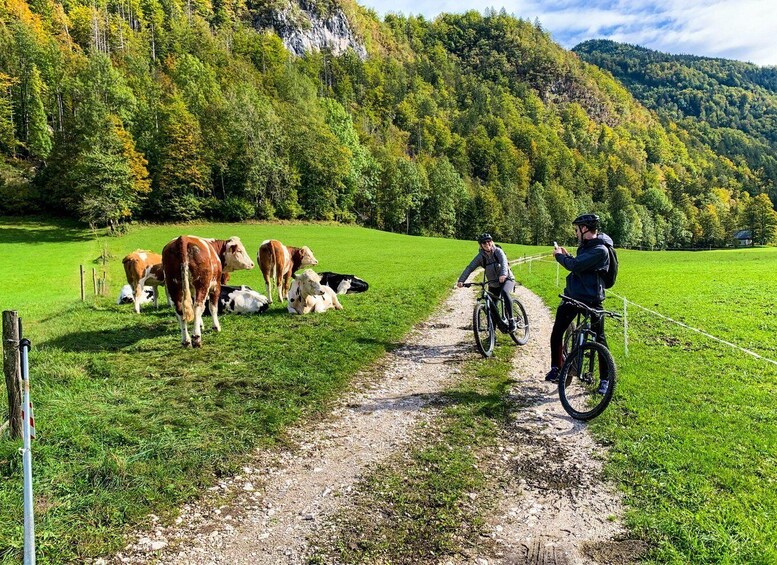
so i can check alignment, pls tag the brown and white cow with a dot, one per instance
(279, 263)
(307, 294)
(193, 267)
(143, 268)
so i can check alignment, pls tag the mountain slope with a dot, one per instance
(729, 105)
(176, 110)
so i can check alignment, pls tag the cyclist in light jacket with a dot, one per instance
(494, 261)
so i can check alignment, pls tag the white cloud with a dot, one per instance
(743, 30)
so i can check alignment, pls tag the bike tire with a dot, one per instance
(577, 389)
(569, 341)
(483, 328)
(521, 334)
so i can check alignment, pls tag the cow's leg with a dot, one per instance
(285, 283)
(269, 288)
(280, 280)
(336, 302)
(137, 296)
(185, 341)
(199, 308)
(156, 297)
(213, 306)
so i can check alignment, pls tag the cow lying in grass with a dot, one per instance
(343, 284)
(127, 295)
(241, 300)
(307, 294)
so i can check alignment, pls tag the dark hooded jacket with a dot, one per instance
(583, 281)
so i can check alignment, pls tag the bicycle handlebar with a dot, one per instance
(587, 308)
(484, 283)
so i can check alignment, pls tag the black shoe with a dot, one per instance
(603, 386)
(552, 376)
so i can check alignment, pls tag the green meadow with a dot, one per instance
(131, 423)
(693, 428)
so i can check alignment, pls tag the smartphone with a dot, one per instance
(555, 244)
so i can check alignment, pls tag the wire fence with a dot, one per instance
(626, 301)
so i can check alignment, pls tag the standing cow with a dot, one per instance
(143, 268)
(193, 267)
(279, 263)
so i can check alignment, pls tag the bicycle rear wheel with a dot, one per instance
(483, 327)
(580, 379)
(521, 334)
(569, 340)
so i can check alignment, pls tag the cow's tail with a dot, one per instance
(186, 279)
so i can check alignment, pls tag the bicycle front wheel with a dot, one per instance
(483, 327)
(587, 381)
(521, 334)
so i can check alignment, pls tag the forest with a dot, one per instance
(118, 111)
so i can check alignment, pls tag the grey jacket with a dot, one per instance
(495, 265)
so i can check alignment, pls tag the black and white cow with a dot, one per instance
(241, 300)
(127, 294)
(343, 284)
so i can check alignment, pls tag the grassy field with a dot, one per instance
(129, 422)
(693, 429)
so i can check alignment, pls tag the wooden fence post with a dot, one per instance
(94, 280)
(12, 370)
(105, 286)
(81, 268)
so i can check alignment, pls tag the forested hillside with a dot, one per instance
(729, 105)
(119, 110)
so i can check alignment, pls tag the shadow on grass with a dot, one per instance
(107, 340)
(385, 344)
(37, 234)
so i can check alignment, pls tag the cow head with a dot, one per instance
(310, 283)
(308, 260)
(235, 256)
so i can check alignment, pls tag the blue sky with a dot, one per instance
(745, 30)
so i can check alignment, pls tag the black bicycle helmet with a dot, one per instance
(591, 221)
(484, 237)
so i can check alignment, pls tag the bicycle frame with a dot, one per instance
(492, 305)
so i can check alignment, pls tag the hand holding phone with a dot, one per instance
(555, 245)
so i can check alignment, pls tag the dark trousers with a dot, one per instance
(564, 316)
(503, 292)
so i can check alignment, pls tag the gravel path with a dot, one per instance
(282, 497)
(553, 509)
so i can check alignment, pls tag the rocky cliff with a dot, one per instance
(306, 27)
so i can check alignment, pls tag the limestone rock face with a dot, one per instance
(304, 28)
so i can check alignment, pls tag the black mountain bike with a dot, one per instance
(587, 363)
(489, 314)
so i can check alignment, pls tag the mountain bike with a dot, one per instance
(587, 364)
(489, 315)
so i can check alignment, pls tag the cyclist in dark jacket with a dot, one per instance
(584, 283)
(494, 261)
